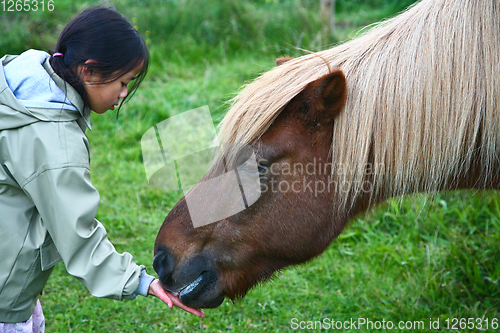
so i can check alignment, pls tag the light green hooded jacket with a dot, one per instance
(48, 204)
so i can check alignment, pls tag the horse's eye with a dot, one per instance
(262, 169)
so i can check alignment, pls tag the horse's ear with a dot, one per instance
(326, 96)
(281, 61)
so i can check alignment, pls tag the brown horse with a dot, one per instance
(417, 111)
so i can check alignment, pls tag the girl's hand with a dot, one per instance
(156, 289)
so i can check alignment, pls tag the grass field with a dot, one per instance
(421, 259)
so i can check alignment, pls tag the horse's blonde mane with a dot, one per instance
(423, 96)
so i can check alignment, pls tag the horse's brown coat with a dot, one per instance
(300, 134)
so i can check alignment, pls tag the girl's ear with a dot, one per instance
(81, 71)
(85, 73)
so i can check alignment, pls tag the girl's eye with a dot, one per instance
(124, 84)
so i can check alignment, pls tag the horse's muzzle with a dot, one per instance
(194, 281)
(163, 264)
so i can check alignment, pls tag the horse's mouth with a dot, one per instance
(186, 289)
(202, 292)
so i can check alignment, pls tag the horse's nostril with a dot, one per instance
(163, 264)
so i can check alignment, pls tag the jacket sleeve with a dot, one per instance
(67, 203)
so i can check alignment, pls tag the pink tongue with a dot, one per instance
(112, 108)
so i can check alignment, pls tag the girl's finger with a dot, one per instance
(157, 290)
(177, 302)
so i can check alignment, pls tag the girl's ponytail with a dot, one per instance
(69, 75)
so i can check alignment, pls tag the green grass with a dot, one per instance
(419, 259)
(414, 259)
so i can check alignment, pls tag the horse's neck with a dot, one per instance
(477, 177)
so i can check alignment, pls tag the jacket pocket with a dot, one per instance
(48, 254)
(33, 284)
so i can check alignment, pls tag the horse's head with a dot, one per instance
(290, 223)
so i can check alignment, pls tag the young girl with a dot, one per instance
(47, 202)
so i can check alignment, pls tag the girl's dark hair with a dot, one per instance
(103, 35)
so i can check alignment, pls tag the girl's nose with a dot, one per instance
(123, 92)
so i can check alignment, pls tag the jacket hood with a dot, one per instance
(30, 91)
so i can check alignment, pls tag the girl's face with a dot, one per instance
(105, 96)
